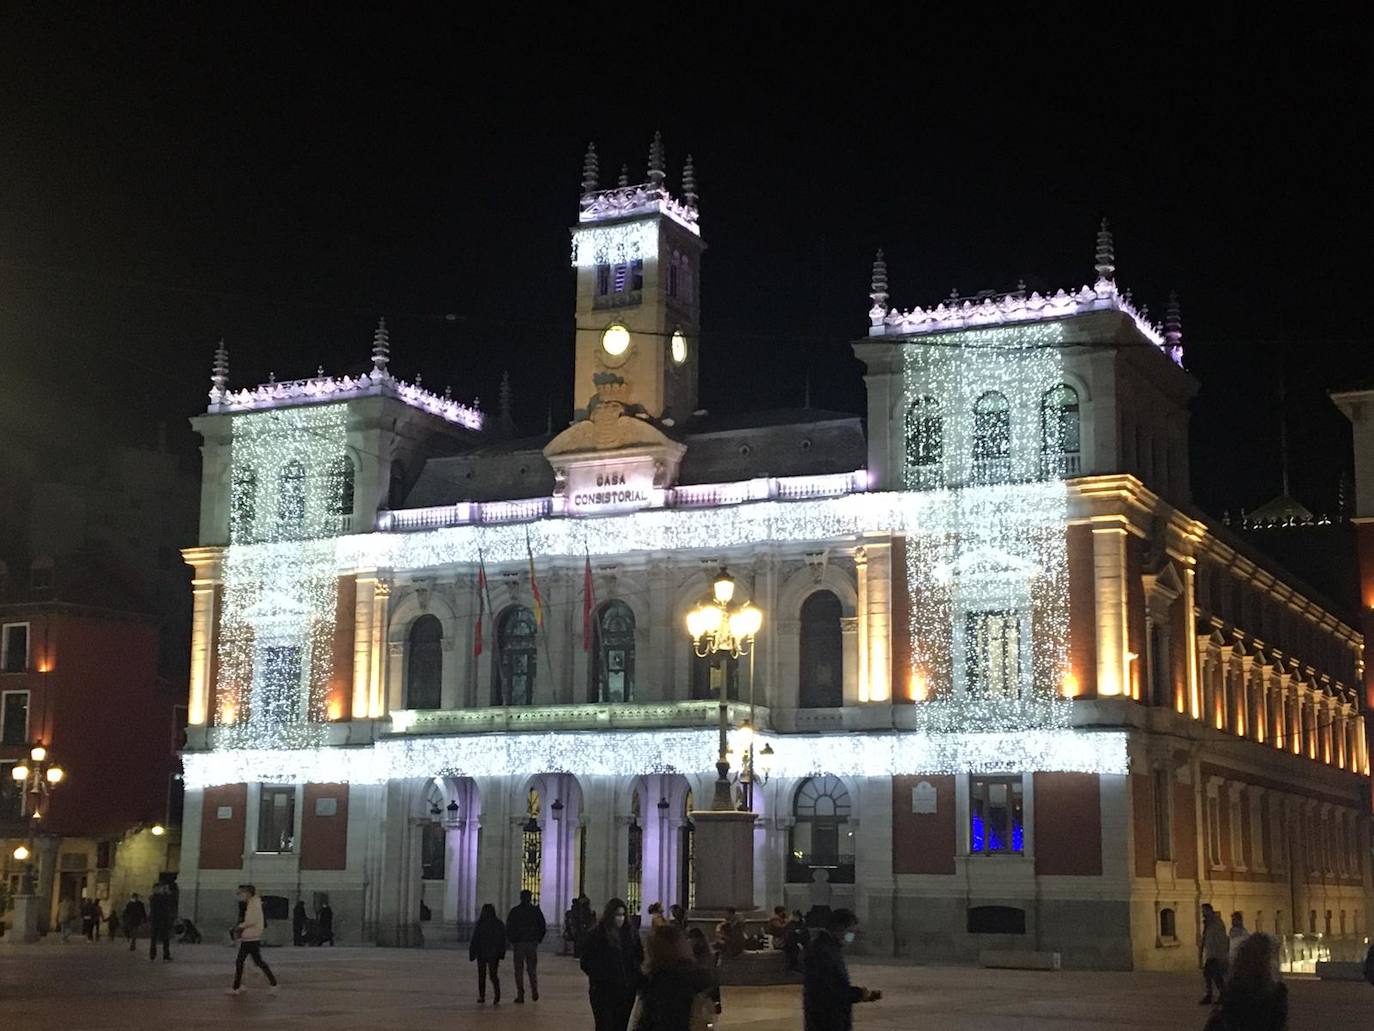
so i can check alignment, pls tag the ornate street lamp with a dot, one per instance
(720, 627)
(36, 780)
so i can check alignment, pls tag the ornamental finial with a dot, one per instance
(504, 405)
(689, 183)
(656, 173)
(1173, 321)
(1106, 253)
(589, 170)
(381, 349)
(878, 291)
(219, 372)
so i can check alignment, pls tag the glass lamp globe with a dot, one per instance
(19, 771)
(55, 774)
(678, 348)
(38, 753)
(723, 588)
(616, 340)
(22, 853)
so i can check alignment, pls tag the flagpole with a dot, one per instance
(539, 621)
(491, 616)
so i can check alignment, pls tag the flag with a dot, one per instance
(481, 604)
(534, 587)
(588, 603)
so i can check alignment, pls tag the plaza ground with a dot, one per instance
(87, 987)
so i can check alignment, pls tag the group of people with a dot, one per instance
(319, 931)
(1241, 973)
(158, 915)
(666, 979)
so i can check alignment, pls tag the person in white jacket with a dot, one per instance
(249, 933)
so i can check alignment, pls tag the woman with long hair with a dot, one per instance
(487, 949)
(676, 993)
(1255, 997)
(610, 958)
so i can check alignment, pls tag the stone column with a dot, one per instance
(861, 641)
(381, 599)
(362, 643)
(205, 586)
(849, 651)
(877, 612)
(1109, 585)
(1190, 639)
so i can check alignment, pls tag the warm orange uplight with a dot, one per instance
(334, 711)
(1069, 686)
(919, 687)
(228, 714)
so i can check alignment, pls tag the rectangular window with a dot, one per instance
(1164, 830)
(433, 851)
(993, 654)
(14, 648)
(14, 718)
(281, 679)
(1214, 830)
(995, 815)
(603, 280)
(277, 819)
(10, 794)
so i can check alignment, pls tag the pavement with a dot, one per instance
(85, 986)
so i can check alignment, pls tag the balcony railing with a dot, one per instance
(703, 495)
(583, 716)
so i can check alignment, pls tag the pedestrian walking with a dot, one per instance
(1237, 935)
(674, 994)
(97, 918)
(325, 919)
(827, 996)
(112, 923)
(249, 933)
(611, 959)
(569, 923)
(1215, 946)
(66, 916)
(583, 923)
(795, 941)
(526, 927)
(135, 916)
(162, 916)
(298, 919)
(1255, 999)
(487, 949)
(88, 918)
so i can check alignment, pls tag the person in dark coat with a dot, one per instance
(1255, 998)
(705, 958)
(827, 996)
(488, 949)
(583, 921)
(325, 919)
(298, 920)
(526, 927)
(794, 941)
(163, 906)
(611, 959)
(672, 982)
(135, 916)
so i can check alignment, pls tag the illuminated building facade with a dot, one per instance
(1019, 694)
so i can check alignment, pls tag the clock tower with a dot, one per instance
(637, 251)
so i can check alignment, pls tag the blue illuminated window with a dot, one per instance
(996, 815)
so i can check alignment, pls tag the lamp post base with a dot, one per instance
(25, 928)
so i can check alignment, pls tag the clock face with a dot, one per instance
(616, 340)
(679, 348)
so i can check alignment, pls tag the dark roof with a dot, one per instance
(728, 422)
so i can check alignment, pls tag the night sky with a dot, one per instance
(169, 178)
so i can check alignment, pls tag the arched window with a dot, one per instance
(821, 838)
(340, 486)
(822, 680)
(1059, 432)
(613, 661)
(424, 668)
(709, 674)
(991, 438)
(243, 503)
(513, 672)
(925, 441)
(291, 496)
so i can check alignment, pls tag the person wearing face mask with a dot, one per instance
(827, 996)
(249, 932)
(611, 959)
